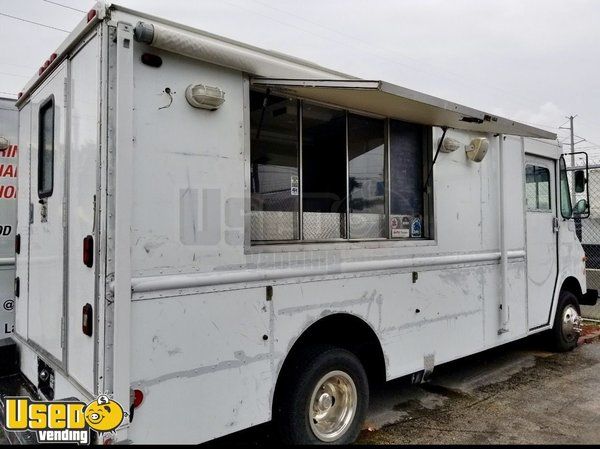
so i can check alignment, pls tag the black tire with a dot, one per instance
(293, 401)
(560, 342)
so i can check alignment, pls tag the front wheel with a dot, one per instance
(567, 323)
(324, 399)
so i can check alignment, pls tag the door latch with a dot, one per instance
(555, 224)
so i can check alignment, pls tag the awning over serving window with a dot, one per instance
(381, 98)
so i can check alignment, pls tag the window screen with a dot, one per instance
(274, 176)
(537, 188)
(46, 149)
(407, 144)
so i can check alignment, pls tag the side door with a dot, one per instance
(542, 259)
(46, 231)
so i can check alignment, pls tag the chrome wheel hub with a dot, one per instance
(571, 324)
(332, 406)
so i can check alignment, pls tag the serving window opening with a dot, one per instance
(318, 173)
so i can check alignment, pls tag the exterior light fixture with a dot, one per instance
(204, 97)
(449, 145)
(477, 149)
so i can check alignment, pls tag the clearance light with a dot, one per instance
(138, 398)
(91, 14)
(88, 251)
(20, 95)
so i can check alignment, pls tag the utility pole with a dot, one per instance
(571, 118)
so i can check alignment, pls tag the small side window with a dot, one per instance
(566, 208)
(46, 149)
(537, 188)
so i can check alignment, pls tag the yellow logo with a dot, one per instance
(103, 414)
(63, 421)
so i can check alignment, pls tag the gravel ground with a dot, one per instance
(511, 395)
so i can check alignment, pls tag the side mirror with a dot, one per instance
(580, 181)
(581, 207)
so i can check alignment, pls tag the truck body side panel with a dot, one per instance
(189, 193)
(84, 99)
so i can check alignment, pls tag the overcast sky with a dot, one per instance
(535, 61)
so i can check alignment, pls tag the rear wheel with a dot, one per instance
(324, 397)
(567, 323)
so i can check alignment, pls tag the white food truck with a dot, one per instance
(220, 235)
(9, 124)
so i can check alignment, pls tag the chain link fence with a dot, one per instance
(587, 229)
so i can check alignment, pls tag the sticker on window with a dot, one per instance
(400, 226)
(415, 227)
(295, 185)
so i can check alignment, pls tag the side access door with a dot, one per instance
(542, 228)
(46, 311)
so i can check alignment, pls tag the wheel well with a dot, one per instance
(571, 284)
(345, 331)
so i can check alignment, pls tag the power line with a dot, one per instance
(34, 23)
(14, 74)
(459, 78)
(64, 6)
(28, 67)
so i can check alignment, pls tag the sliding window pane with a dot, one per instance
(407, 144)
(274, 173)
(366, 164)
(323, 173)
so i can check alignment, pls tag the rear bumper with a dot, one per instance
(589, 298)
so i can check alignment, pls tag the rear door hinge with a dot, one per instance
(66, 91)
(555, 224)
(62, 332)
(65, 215)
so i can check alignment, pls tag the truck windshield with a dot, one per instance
(566, 208)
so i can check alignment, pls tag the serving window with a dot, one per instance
(318, 173)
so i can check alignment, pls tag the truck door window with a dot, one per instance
(537, 188)
(46, 149)
(566, 208)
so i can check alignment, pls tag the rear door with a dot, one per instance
(46, 317)
(542, 259)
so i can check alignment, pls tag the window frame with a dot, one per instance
(428, 219)
(562, 170)
(47, 104)
(537, 196)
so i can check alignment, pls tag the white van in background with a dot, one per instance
(220, 235)
(9, 128)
